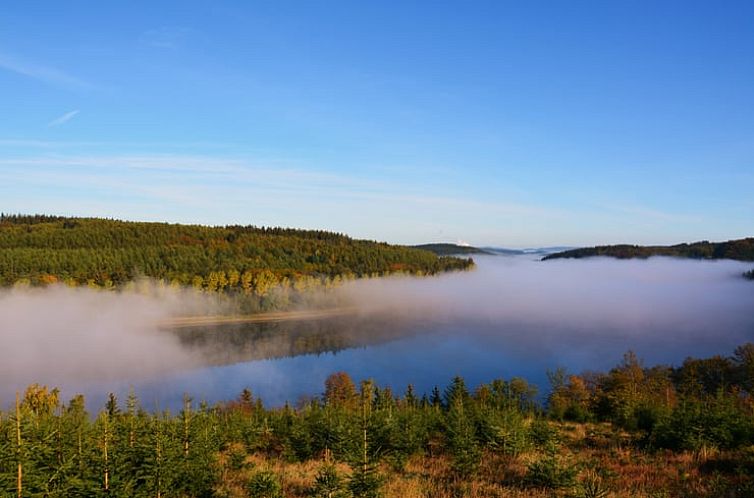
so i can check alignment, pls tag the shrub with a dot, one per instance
(264, 484)
(548, 472)
(544, 435)
(716, 422)
(328, 484)
(593, 486)
(365, 482)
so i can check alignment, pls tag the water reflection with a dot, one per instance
(511, 317)
(425, 358)
(227, 344)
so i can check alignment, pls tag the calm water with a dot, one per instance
(513, 316)
(425, 360)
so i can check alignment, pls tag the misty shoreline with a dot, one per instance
(575, 309)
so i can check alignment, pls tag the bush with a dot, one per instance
(264, 484)
(716, 423)
(550, 473)
(505, 432)
(365, 483)
(593, 486)
(544, 435)
(328, 484)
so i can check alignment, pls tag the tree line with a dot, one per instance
(361, 437)
(739, 250)
(42, 250)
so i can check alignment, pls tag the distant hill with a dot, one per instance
(450, 249)
(740, 250)
(547, 250)
(502, 251)
(456, 249)
(531, 250)
(99, 252)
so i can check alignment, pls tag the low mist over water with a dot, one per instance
(590, 295)
(512, 316)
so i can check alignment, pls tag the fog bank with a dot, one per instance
(510, 316)
(69, 338)
(600, 304)
(586, 296)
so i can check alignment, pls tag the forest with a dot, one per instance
(739, 250)
(40, 250)
(451, 249)
(660, 431)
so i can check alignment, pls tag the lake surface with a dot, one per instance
(513, 316)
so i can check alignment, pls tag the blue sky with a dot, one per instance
(496, 123)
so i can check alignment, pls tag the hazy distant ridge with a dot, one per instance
(446, 249)
(739, 250)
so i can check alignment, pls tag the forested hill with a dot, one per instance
(740, 250)
(101, 252)
(450, 249)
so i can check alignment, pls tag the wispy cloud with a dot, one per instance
(43, 73)
(203, 188)
(63, 119)
(222, 189)
(123, 145)
(225, 178)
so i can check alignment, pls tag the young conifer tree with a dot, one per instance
(365, 482)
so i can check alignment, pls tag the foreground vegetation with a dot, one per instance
(40, 250)
(633, 431)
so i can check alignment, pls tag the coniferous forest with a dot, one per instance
(39, 250)
(739, 250)
(684, 431)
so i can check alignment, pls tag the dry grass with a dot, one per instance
(620, 469)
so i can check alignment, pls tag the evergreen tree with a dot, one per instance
(328, 483)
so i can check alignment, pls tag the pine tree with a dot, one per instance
(328, 483)
(264, 484)
(461, 432)
(19, 451)
(365, 482)
(410, 397)
(455, 393)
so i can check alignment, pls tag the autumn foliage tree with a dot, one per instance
(340, 391)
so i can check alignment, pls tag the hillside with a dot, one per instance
(100, 252)
(443, 249)
(740, 250)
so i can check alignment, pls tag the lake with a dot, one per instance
(512, 316)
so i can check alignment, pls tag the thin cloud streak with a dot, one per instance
(63, 119)
(162, 170)
(43, 73)
(218, 190)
